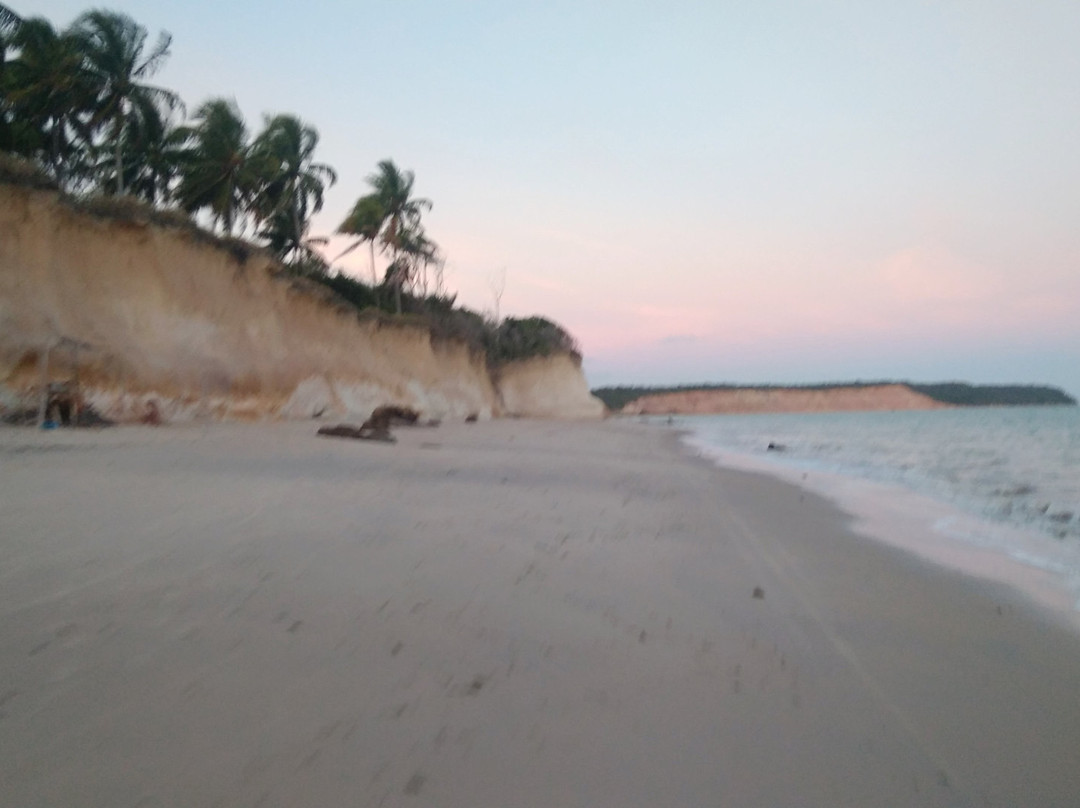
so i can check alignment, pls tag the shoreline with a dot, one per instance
(936, 531)
(512, 612)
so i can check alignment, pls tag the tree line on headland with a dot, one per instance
(957, 394)
(79, 113)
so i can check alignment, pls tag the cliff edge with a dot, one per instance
(546, 387)
(781, 399)
(144, 315)
(831, 397)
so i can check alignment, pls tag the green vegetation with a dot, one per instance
(14, 171)
(78, 114)
(532, 336)
(78, 104)
(499, 343)
(990, 395)
(956, 393)
(391, 215)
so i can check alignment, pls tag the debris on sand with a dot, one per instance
(377, 426)
(357, 433)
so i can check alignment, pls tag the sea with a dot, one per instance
(1000, 480)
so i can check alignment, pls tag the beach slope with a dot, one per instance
(508, 613)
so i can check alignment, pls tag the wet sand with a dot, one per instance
(510, 613)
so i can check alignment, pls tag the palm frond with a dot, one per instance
(352, 247)
(9, 20)
(156, 58)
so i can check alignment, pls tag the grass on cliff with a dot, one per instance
(17, 171)
(506, 341)
(126, 209)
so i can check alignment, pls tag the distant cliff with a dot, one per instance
(150, 315)
(703, 399)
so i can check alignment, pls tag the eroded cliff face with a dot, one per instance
(837, 399)
(190, 327)
(547, 387)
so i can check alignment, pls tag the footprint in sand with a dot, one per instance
(473, 688)
(415, 784)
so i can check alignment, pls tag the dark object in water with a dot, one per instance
(472, 418)
(775, 447)
(759, 593)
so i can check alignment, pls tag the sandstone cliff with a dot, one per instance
(165, 316)
(546, 387)
(749, 400)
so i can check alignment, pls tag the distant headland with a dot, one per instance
(837, 396)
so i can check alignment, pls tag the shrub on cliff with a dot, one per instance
(532, 336)
(498, 343)
(18, 171)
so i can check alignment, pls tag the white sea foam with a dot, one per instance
(982, 486)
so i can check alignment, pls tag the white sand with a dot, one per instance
(510, 613)
(1044, 569)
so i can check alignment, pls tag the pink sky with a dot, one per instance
(765, 191)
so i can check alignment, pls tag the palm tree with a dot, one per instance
(418, 252)
(48, 93)
(114, 46)
(279, 234)
(365, 221)
(295, 186)
(221, 173)
(154, 152)
(393, 188)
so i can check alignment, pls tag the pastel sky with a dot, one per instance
(744, 191)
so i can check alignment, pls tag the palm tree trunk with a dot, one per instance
(118, 129)
(296, 227)
(397, 282)
(56, 160)
(374, 280)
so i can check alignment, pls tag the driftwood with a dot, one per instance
(377, 427)
(391, 415)
(356, 432)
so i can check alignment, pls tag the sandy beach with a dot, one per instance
(511, 613)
